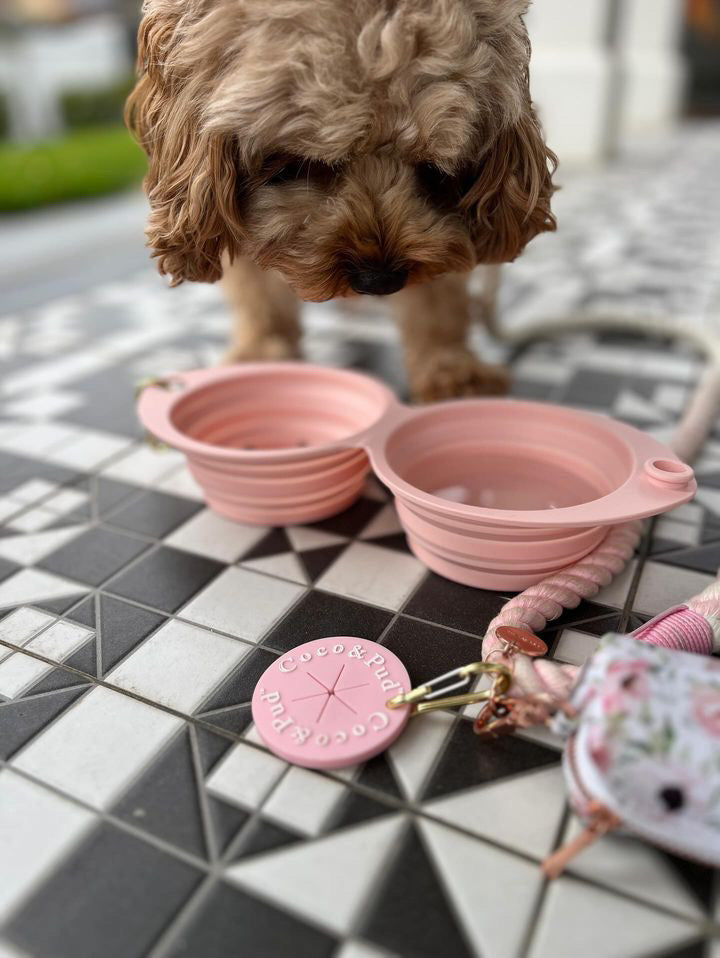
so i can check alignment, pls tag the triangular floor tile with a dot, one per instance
(482, 882)
(238, 687)
(56, 679)
(703, 559)
(28, 549)
(305, 537)
(110, 493)
(699, 879)
(631, 867)
(316, 561)
(467, 762)
(85, 659)
(412, 915)
(274, 542)
(385, 523)
(232, 720)
(373, 490)
(356, 808)
(165, 800)
(57, 606)
(353, 520)
(227, 820)
(22, 719)
(286, 565)
(327, 880)
(710, 498)
(397, 542)
(84, 614)
(122, 627)
(523, 812)
(416, 751)
(7, 569)
(265, 837)
(581, 919)
(211, 748)
(232, 924)
(377, 773)
(33, 587)
(696, 950)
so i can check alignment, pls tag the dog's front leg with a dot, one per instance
(434, 318)
(265, 313)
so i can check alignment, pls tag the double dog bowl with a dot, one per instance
(492, 493)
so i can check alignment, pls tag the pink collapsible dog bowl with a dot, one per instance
(493, 493)
(269, 443)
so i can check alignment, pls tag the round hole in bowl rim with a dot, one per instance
(159, 408)
(635, 496)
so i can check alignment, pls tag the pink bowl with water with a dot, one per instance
(492, 493)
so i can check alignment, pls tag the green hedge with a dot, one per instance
(82, 164)
(84, 108)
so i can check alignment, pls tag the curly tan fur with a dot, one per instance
(312, 137)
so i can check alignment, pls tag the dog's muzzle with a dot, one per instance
(375, 279)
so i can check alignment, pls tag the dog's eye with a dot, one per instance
(441, 188)
(291, 168)
(431, 177)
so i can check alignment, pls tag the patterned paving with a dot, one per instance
(140, 814)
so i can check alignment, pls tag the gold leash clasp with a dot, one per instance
(434, 693)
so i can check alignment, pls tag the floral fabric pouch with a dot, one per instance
(643, 749)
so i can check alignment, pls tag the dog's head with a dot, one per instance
(351, 146)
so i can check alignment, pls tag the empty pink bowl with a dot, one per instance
(492, 493)
(269, 443)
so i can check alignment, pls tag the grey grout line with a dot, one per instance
(450, 898)
(182, 918)
(203, 803)
(541, 897)
(84, 683)
(225, 708)
(373, 895)
(99, 666)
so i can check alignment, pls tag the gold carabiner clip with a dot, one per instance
(427, 697)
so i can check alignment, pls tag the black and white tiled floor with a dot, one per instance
(140, 814)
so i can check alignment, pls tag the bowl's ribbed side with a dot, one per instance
(325, 486)
(492, 557)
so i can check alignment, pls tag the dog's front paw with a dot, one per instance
(269, 349)
(450, 373)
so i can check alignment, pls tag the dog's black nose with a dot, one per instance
(376, 279)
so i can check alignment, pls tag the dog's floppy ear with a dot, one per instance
(509, 202)
(191, 175)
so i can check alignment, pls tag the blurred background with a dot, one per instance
(605, 74)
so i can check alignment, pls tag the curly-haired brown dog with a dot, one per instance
(332, 147)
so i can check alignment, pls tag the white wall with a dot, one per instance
(653, 70)
(570, 74)
(588, 94)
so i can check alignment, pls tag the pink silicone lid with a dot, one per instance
(324, 703)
